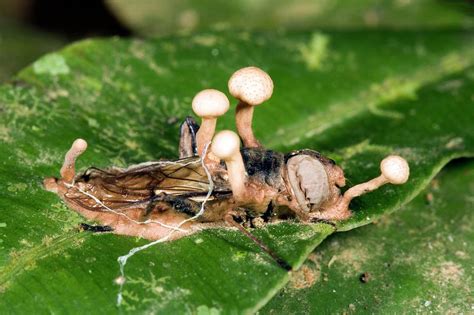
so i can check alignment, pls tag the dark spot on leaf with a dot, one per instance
(365, 277)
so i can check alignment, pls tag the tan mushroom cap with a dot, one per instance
(251, 85)
(210, 103)
(395, 169)
(226, 145)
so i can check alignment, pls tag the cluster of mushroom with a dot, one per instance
(251, 86)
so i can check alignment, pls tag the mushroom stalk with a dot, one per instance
(251, 86)
(226, 146)
(205, 133)
(394, 169)
(363, 188)
(68, 169)
(236, 173)
(243, 120)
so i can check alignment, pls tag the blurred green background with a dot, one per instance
(29, 28)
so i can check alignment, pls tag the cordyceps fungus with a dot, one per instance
(226, 146)
(168, 199)
(165, 200)
(251, 86)
(68, 169)
(208, 104)
(395, 170)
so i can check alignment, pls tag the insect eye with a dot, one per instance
(308, 180)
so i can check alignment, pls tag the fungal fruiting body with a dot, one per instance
(226, 146)
(208, 104)
(251, 86)
(216, 183)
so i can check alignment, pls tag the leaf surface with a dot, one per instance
(356, 96)
(417, 261)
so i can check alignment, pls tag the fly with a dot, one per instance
(249, 184)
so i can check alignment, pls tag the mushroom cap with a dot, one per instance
(79, 145)
(251, 85)
(210, 103)
(226, 145)
(395, 169)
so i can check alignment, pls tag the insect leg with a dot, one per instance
(318, 220)
(229, 219)
(95, 228)
(187, 139)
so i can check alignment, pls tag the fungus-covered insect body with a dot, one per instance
(216, 184)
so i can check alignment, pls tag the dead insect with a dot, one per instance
(224, 185)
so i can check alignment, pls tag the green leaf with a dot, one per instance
(20, 45)
(151, 18)
(357, 96)
(418, 261)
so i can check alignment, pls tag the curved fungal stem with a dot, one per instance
(394, 170)
(68, 169)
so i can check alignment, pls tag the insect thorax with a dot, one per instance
(264, 166)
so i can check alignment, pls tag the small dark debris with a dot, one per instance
(316, 220)
(365, 277)
(95, 228)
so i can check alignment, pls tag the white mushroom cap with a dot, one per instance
(210, 103)
(251, 85)
(395, 169)
(226, 145)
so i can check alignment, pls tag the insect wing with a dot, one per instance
(136, 186)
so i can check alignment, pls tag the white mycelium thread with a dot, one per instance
(122, 260)
(123, 214)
